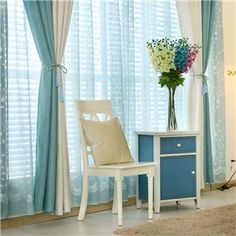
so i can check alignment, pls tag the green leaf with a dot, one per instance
(171, 79)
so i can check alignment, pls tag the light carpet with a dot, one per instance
(220, 221)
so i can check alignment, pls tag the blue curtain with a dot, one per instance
(39, 14)
(4, 109)
(208, 16)
(217, 97)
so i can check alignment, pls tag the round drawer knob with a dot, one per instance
(193, 172)
(178, 144)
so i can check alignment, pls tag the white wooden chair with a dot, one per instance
(118, 171)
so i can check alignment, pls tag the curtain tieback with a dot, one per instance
(204, 83)
(55, 66)
(60, 78)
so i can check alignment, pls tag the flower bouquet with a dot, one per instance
(172, 58)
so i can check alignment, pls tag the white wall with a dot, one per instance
(229, 29)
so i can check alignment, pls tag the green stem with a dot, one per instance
(172, 122)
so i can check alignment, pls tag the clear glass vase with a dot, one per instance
(172, 122)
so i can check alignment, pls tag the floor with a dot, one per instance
(104, 223)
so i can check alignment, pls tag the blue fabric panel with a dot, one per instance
(177, 181)
(40, 18)
(171, 145)
(207, 146)
(208, 13)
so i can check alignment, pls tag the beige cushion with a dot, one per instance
(107, 141)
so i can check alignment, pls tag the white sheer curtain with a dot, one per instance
(61, 21)
(23, 83)
(106, 57)
(191, 29)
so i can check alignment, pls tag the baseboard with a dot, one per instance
(215, 186)
(43, 217)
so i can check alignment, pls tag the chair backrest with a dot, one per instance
(91, 110)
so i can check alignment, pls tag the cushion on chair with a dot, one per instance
(107, 141)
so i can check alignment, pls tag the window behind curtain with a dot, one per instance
(107, 41)
(24, 73)
(143, 19)
(106, 57)
(153, 19)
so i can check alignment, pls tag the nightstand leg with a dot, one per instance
(157, 207)
(196, 203)
(138, 203)
(150, 197)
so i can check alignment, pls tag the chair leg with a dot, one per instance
(150, 197)
(84, 199)
(114, 205)
(119, 201)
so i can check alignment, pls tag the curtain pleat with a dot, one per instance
(61, 20)
(208, 12)
(4, 161)
(217, 97)
(191, 29)
(40, 18)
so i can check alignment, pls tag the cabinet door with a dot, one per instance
(178, 178)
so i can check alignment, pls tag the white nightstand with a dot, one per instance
(177, 173)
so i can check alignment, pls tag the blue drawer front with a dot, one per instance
(172, 145)
(177, 179)
(145, 154)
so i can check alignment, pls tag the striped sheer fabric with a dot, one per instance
(23, 83)
(24, 73)
(4, 108)
(106, 57)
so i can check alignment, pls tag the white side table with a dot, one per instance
(177, 173)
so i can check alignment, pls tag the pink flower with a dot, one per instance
(192, 54)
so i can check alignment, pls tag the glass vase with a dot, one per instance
(172, 122)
